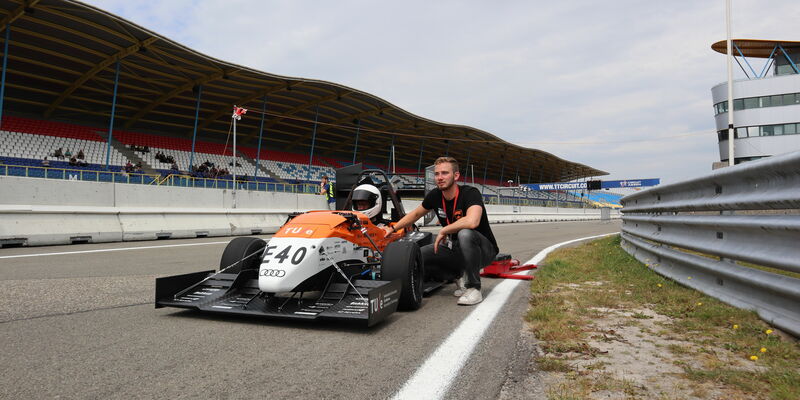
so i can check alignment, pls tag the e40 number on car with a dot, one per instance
(295, 258)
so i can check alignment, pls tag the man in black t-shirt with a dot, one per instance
(465, 244)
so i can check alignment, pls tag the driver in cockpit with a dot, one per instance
(367, 200)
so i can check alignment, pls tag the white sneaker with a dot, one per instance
(470, 297)
(460, 288)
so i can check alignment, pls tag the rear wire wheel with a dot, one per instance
(403, 260)
(245, 252)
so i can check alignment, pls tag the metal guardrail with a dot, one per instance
(664, 226)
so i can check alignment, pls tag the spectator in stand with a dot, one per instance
(81, 156)
(81, 163)
(175, 167)
(128, 167)
(73, 162)
(146, 149)
(45, 162)
(59, 153)
(68, 153)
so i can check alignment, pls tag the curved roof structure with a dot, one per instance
(63, 57)
(755, 48)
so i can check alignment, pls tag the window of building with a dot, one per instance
(751, 102)
(777, 130)
(753, 131)
(790, 129)
(758, 102)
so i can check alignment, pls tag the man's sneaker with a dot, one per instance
(470, 297)
(460, 288)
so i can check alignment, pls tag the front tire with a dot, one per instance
(245, 252)
(403, 260)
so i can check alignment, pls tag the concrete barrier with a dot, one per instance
(37, 212)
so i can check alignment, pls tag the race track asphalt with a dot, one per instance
(83, 326)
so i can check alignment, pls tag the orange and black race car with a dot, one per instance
(334, 265)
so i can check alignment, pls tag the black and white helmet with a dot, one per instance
(367, 199)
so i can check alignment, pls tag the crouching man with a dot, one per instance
(465, 244)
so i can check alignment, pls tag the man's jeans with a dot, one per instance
(471, 252)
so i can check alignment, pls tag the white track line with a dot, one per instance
(434, 377)
(106, 250)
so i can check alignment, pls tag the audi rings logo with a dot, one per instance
(277, 273)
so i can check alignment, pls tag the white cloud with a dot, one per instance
(525, 71)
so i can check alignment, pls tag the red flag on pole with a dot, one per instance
(238, 112)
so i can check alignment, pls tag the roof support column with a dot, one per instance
(794, 66)
(466, 166)
(419, 164)
(764, 70)
(3, 79)
(313, 141)
(485, 166)
(260, 134)
(447, 149)
(355, 147)
(530, 170)
(111, 123)
(194, 133)
(391, 154)
(502, 169)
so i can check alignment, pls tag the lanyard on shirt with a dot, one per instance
(455, 200)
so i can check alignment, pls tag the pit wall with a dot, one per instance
(35, 212)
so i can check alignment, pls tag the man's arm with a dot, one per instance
(408, 220)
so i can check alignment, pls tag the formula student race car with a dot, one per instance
(323, 265)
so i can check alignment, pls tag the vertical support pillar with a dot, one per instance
(111, 124)
(466, 166)
(3, 79)
(313, 142)
(391, 154)
(485, 166)
(355, 147)
(502, 169)
(260, 134)
(530, 170)
(194, 133)
(447, 148)
(419, 164)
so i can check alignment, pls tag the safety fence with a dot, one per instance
(181, 180)
(178, 180)
(733, 234)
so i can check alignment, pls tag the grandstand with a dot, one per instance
(603, 199)
(72, 69)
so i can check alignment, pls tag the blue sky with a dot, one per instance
(608, 84)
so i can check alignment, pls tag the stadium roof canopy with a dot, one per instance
(755, 48)
(62, 64)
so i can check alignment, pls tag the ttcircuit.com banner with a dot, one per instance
(629, 183)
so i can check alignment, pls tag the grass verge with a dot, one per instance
(589, 297)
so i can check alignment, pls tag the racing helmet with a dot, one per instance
(367, 199)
